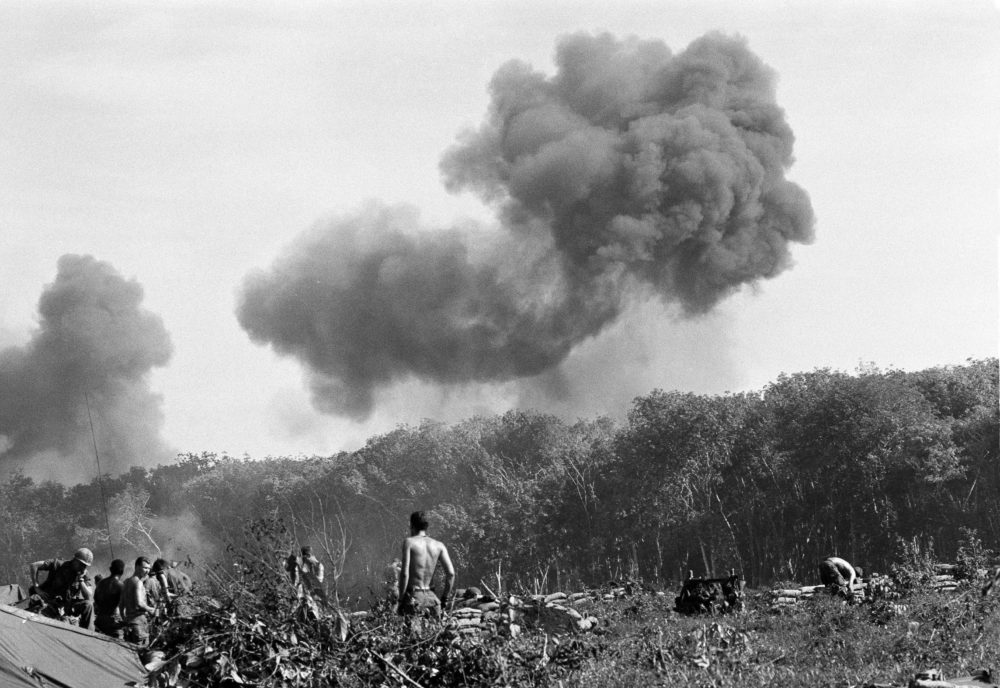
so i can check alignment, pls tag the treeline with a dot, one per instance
(766, 482)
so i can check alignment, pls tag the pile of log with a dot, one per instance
(783, 598)
(944, 578)
(710, 595)
(786, 597)
(556, 613)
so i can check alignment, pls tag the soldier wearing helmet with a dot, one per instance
(66, 590)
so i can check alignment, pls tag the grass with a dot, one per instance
(822, 642)
(640, 641)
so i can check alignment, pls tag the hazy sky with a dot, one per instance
(187, 145)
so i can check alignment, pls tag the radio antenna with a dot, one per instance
(100, 476)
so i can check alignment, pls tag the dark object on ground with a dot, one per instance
(935, 679)
(711, 595)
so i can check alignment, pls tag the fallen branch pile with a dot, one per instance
(241, 643)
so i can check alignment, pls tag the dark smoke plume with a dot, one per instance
(94, 342)
(630, 170)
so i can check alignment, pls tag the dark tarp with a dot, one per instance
(11, 594)
(35, 651)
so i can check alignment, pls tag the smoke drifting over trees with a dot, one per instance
(768, 481)
(94, 341)
(629, 171)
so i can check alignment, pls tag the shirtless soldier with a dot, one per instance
(838, 575)
(420, 557)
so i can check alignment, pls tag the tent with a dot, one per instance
(36, 652)
(11, 594)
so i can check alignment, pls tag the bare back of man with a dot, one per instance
(420, 557)
(837, 574)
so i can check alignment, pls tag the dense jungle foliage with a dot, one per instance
(765, 482)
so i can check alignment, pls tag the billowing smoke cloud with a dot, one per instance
(629, 170)
(94, 343)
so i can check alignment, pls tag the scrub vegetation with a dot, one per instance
(247, 635)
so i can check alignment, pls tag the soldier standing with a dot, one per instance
(107, 600)
(420, 557)
(136, 610)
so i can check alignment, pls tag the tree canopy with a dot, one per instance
(766, 482)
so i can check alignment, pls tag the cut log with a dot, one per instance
(786, 593)
(466, 613)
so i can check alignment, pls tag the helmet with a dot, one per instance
(84, 555)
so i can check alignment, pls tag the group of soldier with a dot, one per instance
(124, 608)
(421, 555)
(118, 608)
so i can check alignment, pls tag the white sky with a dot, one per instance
(188, 143)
